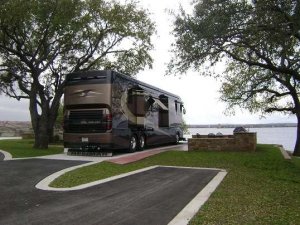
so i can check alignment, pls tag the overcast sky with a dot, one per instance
(200, 94)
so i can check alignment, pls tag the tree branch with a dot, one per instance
(107, 51)
(274, 109)
(265, 66)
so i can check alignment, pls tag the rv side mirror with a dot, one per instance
(182, 109)
(150, 101)
(149, 104)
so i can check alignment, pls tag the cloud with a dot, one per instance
(13, 110)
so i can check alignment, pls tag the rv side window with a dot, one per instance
(163, 111)
(86, 78)
(176, 106)
(136, 101)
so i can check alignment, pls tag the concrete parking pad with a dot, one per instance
(119, 157)
(154, 196)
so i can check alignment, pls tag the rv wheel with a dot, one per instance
(142, 142)
(133, 143)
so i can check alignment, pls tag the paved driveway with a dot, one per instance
(151, 197)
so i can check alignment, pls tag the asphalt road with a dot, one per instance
(153, 197)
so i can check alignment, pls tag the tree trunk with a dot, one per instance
(43, 121)
(297, 145)
(41, 135)
(39, 124)
(44, 131)
(53, 113)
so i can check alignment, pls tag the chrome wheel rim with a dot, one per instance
(133, 142)
(142, 141)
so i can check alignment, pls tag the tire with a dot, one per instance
(141, 143)
(133, 143)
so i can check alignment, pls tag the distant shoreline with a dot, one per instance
(242, 125)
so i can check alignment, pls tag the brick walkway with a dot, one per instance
(146, 153)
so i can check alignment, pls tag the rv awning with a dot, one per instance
(161, 105)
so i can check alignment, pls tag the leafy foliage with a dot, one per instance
(258, 40)
(41, 41)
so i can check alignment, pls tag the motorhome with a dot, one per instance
(106, 110)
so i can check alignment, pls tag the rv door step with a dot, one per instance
(89, 153)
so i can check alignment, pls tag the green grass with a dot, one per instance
(23, 148)
(260, 187)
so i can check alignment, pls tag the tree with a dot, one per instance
(42, 41)
(60, 117)
(260, 43)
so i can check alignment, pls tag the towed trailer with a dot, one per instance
(106, 110)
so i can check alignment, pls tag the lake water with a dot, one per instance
(285, 136)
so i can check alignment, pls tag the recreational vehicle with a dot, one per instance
(106, 110)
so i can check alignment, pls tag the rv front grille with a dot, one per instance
(86, 115)
(86, 121)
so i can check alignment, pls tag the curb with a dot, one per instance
(44, 184)
(182, 218)
(190, 210)
(283, 152)
(7, 155)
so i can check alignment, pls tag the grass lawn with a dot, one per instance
(19, 148)
(260, 187)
